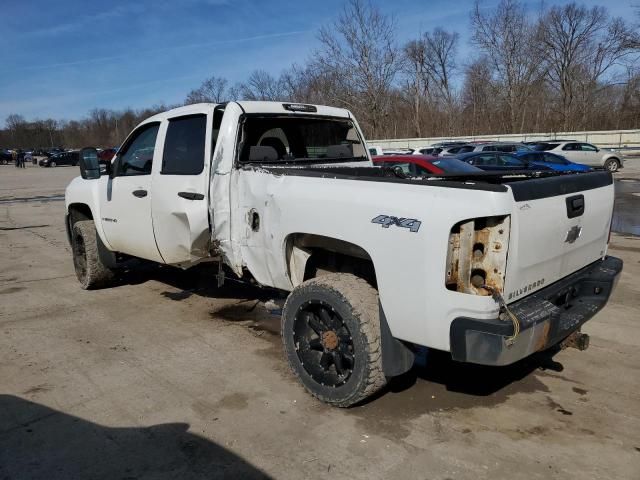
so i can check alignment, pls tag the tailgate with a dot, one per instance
(558, 225)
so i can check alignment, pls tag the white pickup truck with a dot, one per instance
(490, 267)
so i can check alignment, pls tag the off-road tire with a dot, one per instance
(612, 165)
(90, 270)
(356, 302)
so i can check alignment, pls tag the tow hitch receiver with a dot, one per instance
(577, 340)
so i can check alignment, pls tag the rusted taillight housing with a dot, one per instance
(477, 255)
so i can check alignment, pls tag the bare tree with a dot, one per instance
(261, 85)
(440, 51)
(508, 39)
(212, 90)
(580, 46)
(359, 61)
(415, 81)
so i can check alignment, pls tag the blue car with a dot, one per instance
(498, 162)
(551, 160)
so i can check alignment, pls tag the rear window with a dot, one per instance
(551, 158)
(184, 146)
(297, 139)
(453, 165)
(545, 146)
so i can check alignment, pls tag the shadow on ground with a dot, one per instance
(435, 383)
(199, 280)
(37, 442)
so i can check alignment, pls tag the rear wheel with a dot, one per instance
(90, 270)
(331, 336)
(612, 165)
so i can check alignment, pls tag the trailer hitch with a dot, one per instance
(577, 340)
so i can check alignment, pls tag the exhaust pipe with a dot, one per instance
(577, 340)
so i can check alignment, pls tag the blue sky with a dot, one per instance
(61, 59)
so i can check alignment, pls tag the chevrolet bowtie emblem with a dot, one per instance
(573, 234)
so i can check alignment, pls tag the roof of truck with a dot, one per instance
(254, 107)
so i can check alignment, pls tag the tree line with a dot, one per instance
(564, 68)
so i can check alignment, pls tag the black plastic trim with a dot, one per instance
(583, 303)
(376, 174)
(535, 189)
(397, 358)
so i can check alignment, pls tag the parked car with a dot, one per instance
(456, 150)
(427, 150)
(533, 143)
(584, 153)
(507, 147)
(551, 160)
(106, 155)
(375, 150)
(63, 158)
(498, 161)
(419, 165)
(5, 157)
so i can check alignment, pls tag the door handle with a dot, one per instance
(191, 195)
(139, 193)
(575, 206)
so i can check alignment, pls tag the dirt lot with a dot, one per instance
(165, 376)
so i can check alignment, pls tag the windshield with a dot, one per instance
(297, 139)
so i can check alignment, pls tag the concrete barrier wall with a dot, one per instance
(618, 139)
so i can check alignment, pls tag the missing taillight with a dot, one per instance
(477, 255)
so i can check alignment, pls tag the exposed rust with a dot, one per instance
(330, 340)
(473, 249)
(541, 343)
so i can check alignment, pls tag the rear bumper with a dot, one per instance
(546, 317)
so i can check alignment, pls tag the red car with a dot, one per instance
(106, 155)
(419, 165)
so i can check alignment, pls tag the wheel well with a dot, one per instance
(79, 211)
(76, 213)
(310, 255)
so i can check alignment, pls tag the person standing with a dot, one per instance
(20, 158)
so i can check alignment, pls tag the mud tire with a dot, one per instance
(90, 270)
(356, 302)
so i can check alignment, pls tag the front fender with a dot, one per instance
(87, 193)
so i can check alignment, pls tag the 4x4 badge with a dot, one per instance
(386, 221)
(573, 234)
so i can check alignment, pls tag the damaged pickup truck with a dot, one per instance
(490, 267)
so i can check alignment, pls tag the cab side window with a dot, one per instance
(184, 145)
(486, 159)
(136, 157)
(509, 161)
(587, 147)
(571, 146)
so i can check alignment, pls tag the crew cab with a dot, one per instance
(489, 266)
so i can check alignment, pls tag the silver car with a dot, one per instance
(585, 153)
(506, 147)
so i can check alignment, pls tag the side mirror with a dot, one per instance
(89, 164)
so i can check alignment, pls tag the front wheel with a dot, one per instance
(331, 336)
(52, 164)
(612, 165)
(90, 270)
